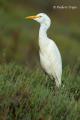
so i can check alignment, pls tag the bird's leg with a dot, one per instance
(55, 88)
(49, 82)
(46, 78)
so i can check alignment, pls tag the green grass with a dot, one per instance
(26, 95)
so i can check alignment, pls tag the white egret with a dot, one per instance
(50, 57)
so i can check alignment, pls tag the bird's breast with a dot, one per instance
(45, 63)
(43, 44)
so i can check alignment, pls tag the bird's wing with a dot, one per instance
(55, 60)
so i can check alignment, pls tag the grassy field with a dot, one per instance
(26, 95)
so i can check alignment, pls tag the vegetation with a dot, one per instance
(26, 95)
(25, 92)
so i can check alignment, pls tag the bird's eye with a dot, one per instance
(40, 16)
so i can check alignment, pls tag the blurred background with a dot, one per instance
(19, 37)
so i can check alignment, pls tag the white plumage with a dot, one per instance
(50, 57)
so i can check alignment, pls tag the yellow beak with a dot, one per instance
(32, 17)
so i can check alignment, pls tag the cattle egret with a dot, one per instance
(50, 57)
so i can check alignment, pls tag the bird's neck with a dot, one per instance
(43, 39)
(42, 32)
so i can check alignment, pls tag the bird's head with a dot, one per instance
(42, 18)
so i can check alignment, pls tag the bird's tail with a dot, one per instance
(58, 82)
